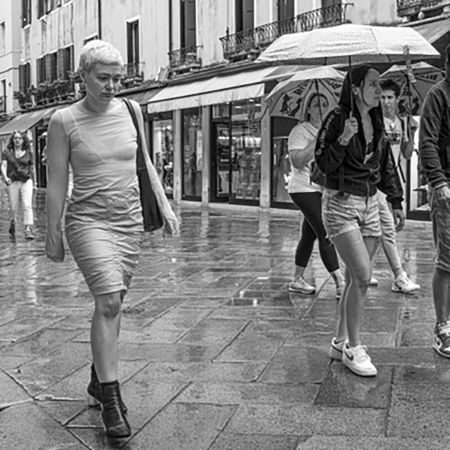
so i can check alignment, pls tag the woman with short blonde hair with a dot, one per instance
(104, 223)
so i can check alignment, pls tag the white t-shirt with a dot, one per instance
(302, 136)
(394, 133)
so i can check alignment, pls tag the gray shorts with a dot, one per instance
(440, 218)
(346, 212)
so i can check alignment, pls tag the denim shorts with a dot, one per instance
(344, 212)
(440, 218)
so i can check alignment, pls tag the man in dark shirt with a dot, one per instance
(434, 148)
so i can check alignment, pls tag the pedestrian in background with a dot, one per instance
(18, 171)
(434, 150)
(307, 196)
(401, 138)
(104, 224)
(354, 156)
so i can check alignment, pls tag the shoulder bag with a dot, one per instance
(151, 213)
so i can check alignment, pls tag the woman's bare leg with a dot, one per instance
(356, 252)
(105, 335)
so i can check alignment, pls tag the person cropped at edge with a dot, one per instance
(104, 224)
(19, 174)
(307, 196)
(434, 150)
(400, 135)
(354, 155)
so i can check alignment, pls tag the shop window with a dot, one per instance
(192, 154)
(246, 150)
(162, 149)
(26, 12)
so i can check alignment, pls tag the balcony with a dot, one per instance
(421, 9)
(46, 93)
(184, 59)
(250, 43)
(133, 74)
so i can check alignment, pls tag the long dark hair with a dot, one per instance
(26, 145)
(356, 78)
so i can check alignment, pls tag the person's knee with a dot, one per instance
(108, 306)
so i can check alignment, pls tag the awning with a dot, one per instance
(432, 31)
(220, 89)
(142, 97)
(25, 121)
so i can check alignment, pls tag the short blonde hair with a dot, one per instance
(98, 51)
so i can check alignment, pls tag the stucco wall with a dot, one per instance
(153, 18)
(10, 55)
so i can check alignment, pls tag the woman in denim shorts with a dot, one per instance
(356, 159)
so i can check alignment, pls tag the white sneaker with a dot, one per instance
(336, 349)
(301, 286)
(373, 282)
(404, 285)
(358, 361)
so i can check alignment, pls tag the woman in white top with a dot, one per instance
(307, 196)
(96, 138)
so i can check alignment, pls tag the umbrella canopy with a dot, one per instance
(413, 93)
(349, 43)
(290, 97)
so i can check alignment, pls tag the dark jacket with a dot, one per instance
(347, 169)
(18, 169)
(434, 134)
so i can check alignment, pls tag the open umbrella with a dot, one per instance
(413, 91)
(290, 97)
(349, 44)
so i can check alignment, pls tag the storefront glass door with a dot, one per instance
(221, 162)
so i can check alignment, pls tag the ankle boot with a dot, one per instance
(12, 228)
(95, 392)
(114, 419)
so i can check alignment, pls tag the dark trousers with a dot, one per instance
(310, 204)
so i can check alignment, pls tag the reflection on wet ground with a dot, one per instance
(215, 352)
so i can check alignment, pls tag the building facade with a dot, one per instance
(191, 65)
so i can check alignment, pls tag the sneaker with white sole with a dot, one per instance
(404, 285)
(336, 349)
(442, 339)
(301, 286)
(358, 361)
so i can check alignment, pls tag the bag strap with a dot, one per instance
(140, 161)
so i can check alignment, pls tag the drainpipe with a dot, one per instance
(99, 18)
(170, 26)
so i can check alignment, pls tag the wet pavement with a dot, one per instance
(215, 353)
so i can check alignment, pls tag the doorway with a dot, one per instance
(221, 162)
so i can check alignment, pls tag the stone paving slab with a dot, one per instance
(215, 352)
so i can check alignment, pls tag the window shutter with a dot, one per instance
(22, 75)
(39, 78)
(60, 64)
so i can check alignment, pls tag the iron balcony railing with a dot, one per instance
(410, 7)
(185, 57)
(251, 42)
